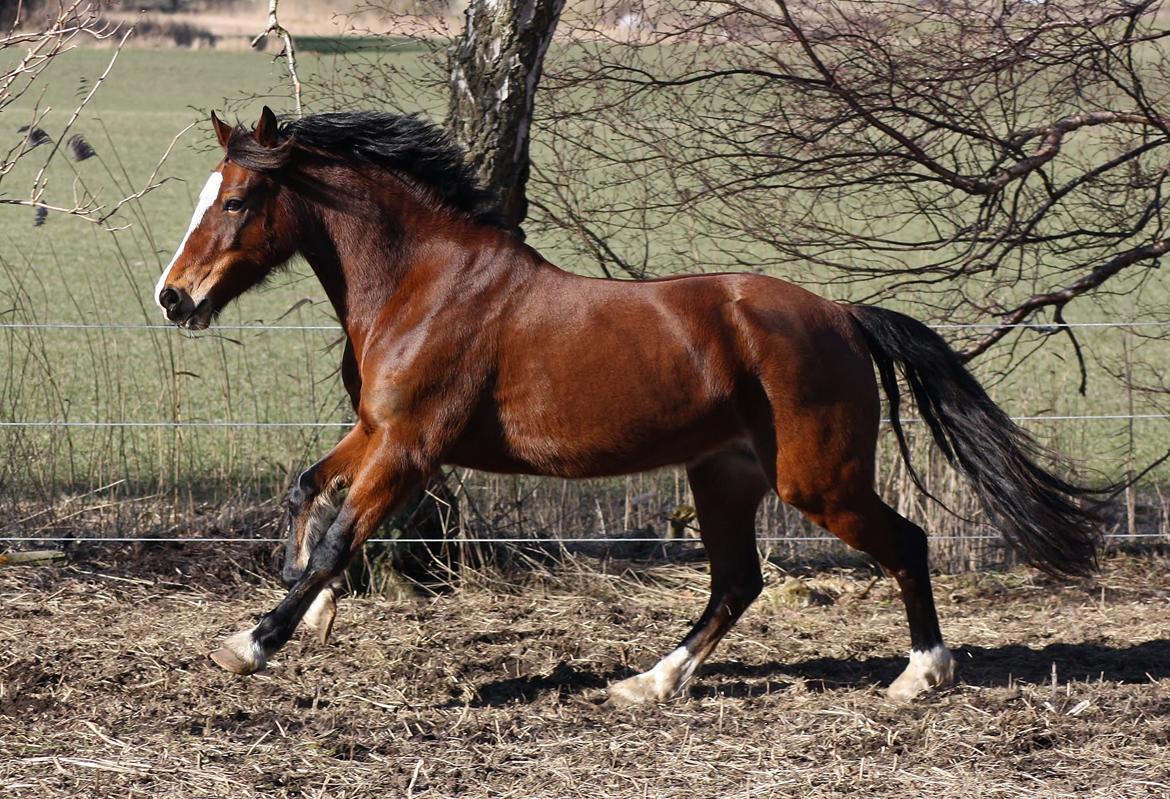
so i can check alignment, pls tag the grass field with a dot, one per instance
(105, 689)
(70, 271)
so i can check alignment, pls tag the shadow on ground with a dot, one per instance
(980, 666)
(564, 680)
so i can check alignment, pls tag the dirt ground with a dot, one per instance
(494, 690)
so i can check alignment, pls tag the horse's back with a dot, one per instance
(759, 326)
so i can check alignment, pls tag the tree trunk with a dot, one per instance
(494, 69)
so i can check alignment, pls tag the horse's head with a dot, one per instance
(238, 233)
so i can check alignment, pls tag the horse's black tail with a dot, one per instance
(1038, 513)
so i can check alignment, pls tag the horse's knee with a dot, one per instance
(291, 573)
(303, 490)
(331, 554)
(311, 510)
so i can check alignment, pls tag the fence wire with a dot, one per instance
(1133, 535)
(473, 541)
(232, 424)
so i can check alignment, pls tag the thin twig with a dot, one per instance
(290, 56)
(38, 181)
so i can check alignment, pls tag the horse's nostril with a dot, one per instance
(168, 298)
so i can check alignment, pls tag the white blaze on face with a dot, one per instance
(206, 200)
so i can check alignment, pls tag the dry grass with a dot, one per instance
(493, 690)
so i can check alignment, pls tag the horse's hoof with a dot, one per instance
(928, 670)
(321, 614)
(323, 632)
(622, 694)
(640, 689)
(240, 654)
(667, 680)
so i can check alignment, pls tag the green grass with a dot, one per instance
(73, 271)
(332, 45)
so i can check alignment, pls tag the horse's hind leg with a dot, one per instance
(728, 487)
(866, 523)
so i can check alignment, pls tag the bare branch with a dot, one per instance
(1060, 298)
(290, 56)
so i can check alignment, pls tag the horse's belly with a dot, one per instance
(606, 441)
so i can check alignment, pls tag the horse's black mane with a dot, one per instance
(407, 144)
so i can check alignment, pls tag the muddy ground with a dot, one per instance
(494, 690)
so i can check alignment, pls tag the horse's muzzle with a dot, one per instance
(182, 310)
(177, 303)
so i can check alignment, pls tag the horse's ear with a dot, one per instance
(265, 130)
(223, 131)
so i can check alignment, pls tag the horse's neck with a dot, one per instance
(361, 264)
(357, 264)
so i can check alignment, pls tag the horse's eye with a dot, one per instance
(233, 205)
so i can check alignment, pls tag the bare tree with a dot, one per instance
(983, 162)
(485, 72)
(996, 159)
(37, 35)
(289, 53)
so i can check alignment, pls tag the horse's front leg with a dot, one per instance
(312, 508)
(383, 482)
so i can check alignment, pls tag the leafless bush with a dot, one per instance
(1001, 161)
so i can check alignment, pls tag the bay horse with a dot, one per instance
(466, 347)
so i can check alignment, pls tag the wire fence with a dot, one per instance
(503, 506)
(245, 425)
(763, 539)
(337, 329)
